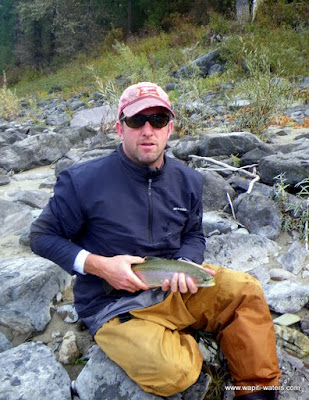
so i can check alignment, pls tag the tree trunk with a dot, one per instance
(242, 11)
(130, 16)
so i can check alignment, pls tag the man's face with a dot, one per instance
(145, 145)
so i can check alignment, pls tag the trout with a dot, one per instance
(155, 270)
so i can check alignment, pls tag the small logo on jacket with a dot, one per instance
(180, 209)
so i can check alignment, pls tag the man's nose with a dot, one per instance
(147, 129)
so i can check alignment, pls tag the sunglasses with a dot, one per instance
(138, 120)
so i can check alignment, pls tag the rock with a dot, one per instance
(242, 252)
(5, 344)
(34, 151)
(259, 214)
(28, 285)
(58, 119)
(295, 258)
(33, 198)
(278, 274)
(217, 223)
(287, 319)
(68, 350)
(202, 64)
(13, 217)
(68, 313)
(93, 117)
(236, 143)
(102, 378)
(186, 147)
(304, 325)
(295, 377)
(30, 372)
(4, 180)
(292, 340)
(294, 166)
(215, 191)
(286, 297)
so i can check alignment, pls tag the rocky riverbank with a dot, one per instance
(44, 346)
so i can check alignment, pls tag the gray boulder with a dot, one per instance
(242, 252)
(259, 214)
(5, 344)
(34, 151)
(215, 223)
(93, 117)
(215, 191)
(186, 147)
(295, 376)
(203, 64)
(236, 143)
(286, 296)
(101, 378)
(28, 286)
(31, 372)
(295, 258)
(33, 198)
(13, 217)
(294, 166)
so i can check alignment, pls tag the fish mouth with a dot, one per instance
(207, 284)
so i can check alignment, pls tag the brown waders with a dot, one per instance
(156, 353)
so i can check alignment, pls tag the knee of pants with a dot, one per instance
(173, 378)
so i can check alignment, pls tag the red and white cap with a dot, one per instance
(140, 96)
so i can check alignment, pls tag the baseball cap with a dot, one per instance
(143, 95)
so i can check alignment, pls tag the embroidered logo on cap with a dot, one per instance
(147, 91)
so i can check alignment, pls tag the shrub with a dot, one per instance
(268, 93)
(9, 102)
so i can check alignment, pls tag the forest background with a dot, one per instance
(69, 44)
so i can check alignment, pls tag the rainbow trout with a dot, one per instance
(155, 270)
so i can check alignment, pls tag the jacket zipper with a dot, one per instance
(150, 214)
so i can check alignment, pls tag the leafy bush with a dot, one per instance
(9, 102)
(295, 214)
(268, 94)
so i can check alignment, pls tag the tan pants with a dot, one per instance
(155, 352)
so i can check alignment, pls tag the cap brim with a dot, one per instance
(141, 105)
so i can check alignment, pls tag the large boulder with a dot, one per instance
(34, 151)
(227, 144)
(28, 286)
(294, 167)
(259, 214)
(31, 372)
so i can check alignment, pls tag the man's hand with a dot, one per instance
(116, 271)
(182, 283)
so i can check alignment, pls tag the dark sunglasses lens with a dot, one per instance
(159, 120)
(136, 121)
(155, 120)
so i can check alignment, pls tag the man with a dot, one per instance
(108, 214)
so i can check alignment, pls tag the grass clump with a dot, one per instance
(9, 101)
(296, 213)
(268, 94)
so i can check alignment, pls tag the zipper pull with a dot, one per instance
(149, 186)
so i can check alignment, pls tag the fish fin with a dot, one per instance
(151, 258)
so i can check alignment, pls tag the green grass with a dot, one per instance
(116, 64)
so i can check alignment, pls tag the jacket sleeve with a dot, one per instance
(193, 240)
(52, 233)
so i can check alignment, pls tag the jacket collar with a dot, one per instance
(141, 171)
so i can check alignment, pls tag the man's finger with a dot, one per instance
(191, 285)
(174, 283)
(182, 284)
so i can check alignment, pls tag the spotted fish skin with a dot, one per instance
(155, 270)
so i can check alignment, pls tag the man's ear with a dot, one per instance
(170, 128)
(119, 129)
